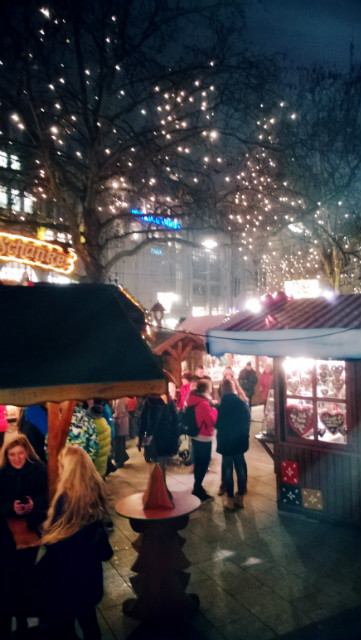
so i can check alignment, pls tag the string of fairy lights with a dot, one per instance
(182, 152)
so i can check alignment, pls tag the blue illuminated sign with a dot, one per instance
(162, 222)
(156, 252)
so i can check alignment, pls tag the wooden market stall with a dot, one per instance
(316, 346)
(187, 339)
(67, 343)
(185, 348)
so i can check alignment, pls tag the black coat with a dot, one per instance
(70, 574)
(15, 484)
(248, 379)
(161, 421)
(232, 425)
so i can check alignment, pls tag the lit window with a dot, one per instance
(15, 163)
(315, 400)
(3, 197)
(28, 204)
(3, 159)
(15, 200)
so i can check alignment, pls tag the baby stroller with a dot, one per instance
(185, 450)
(184, 442)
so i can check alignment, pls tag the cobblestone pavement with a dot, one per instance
(259, 574)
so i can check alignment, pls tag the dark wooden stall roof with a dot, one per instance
(72, 342)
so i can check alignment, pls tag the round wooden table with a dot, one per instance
(161, 581)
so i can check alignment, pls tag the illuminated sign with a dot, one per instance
(36, 253)
(170, 223)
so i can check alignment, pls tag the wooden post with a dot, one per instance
(59, 417)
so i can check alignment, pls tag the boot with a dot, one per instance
(221, 490)
(238, 501)
(228, 503)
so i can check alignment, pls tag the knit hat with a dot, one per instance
(96, 411)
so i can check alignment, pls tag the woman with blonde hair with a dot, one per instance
(76, 543)
(228, 374)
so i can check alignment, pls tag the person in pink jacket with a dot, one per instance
(265, 382)
(3, 423)
(184, 391)
(205, 416)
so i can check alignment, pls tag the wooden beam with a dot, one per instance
(59, 417)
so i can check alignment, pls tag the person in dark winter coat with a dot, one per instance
(248, 379)
(8, 579)
(158, 432)
(70, 573)
(23, 482)
(23, 496)
(34, 424)
(233, 424)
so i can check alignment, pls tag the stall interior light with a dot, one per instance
(329, 294)
(254, 305)
(167, 298)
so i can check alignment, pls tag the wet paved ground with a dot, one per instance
(259, 574)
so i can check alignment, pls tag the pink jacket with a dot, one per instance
(265, 381)
(3, 418)
(206, 416)
(183, 394)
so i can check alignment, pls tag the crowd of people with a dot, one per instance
(225, 414)
(73, 526)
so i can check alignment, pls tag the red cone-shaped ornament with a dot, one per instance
(156, 494)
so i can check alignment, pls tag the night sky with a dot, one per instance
(309, 31)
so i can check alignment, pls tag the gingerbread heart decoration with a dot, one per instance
(300, 419)
(332, 420)
(337, 371)
(306, 381)
(293, 384)
(324, 368)
(338, 385)
(324, 371)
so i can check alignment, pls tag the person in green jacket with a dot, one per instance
(104, 438)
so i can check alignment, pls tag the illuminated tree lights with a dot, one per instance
(118, 136)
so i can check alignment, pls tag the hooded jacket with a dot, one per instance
(233, 424)
(104, 440)
(206, 416)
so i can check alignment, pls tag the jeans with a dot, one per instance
(202, 456)
(239, 463)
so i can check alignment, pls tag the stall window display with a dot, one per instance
(316, 400)
(268, 423)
